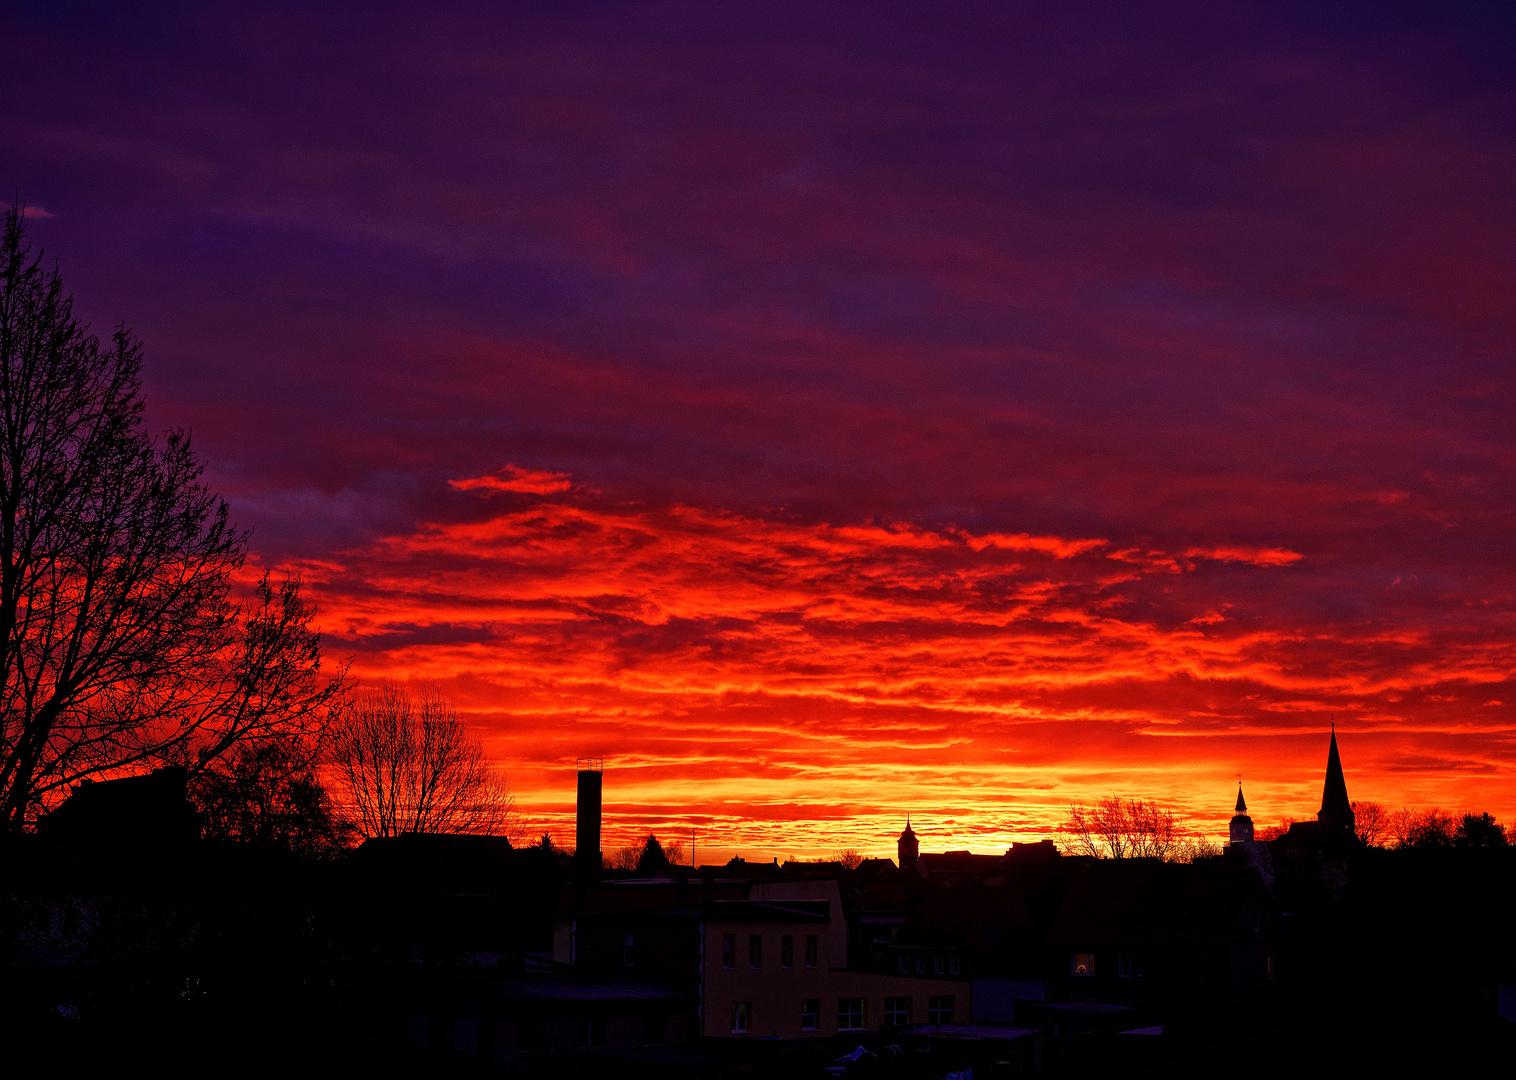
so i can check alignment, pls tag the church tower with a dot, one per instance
(1336, 813)
(907, 848)
(1242, 826)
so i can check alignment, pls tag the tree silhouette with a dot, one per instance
(1479, 831)
(1122, 829)
(412, 766)
(121, 645)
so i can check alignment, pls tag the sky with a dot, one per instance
(828, 412)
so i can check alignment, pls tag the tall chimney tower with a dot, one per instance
(587, 831)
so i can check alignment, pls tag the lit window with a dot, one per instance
(955, 966)
(755, 950)
(939, 964)
(787, 951)
(728, 951)
(628, 944)
(939, 1009)
(810, 1014)
(897, 1011)
(810, 950)
(1084, 963)
(850, 1014)
(1124, 965)
(742, 1015)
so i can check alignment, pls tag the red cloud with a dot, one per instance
(722, 660)
(515, 478)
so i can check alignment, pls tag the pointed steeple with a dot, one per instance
(907, 847)
(1336, 811)
(1241, 829)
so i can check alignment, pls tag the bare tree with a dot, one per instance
(624, 858)
(121, 644)
(412, 766)
(850, 858)
(1119, 828)
(1371, 822)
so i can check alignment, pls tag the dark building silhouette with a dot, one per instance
(587, 825)
(1336, 813)
(1240, 831)
(152, 808)
(907, 847)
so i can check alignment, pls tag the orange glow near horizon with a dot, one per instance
(790, 688)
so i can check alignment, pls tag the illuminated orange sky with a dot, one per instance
(826, 413)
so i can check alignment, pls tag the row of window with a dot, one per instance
(1083, 963)
(852, 1013)
(941, 965)
(755, 951)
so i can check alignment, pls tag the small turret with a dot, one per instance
(1241, 829)
(907, 847)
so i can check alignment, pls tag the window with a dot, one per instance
(628, 944)
(742, 1015)
(897, 1011)
(787, 951)
(1270, 968)
(755, 950)
(1124, 965)
(418, 1031)
(939, 1009)
(728, 951)
(466, 1036)
(905, 964)
(529, 1034)
(939, 965)
(955, 966)
(592, 1032)
(810, 950)
(850, 1014)
(1084, 963)
(920, 965)
(654, 1028)
(810, 1014)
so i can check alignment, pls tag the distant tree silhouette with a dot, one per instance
(653, 860)
(848, 857)
(625, 858)
(1479, 831)
(121, 644)
(270, 794)
(412, 766)
(1275, 831)
(1371, 822)
(1432, 828)
(1119, 828)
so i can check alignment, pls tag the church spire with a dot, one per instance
(1241, 829)
(907, 847)
(1336, 811)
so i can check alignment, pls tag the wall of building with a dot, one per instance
(775, 994)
